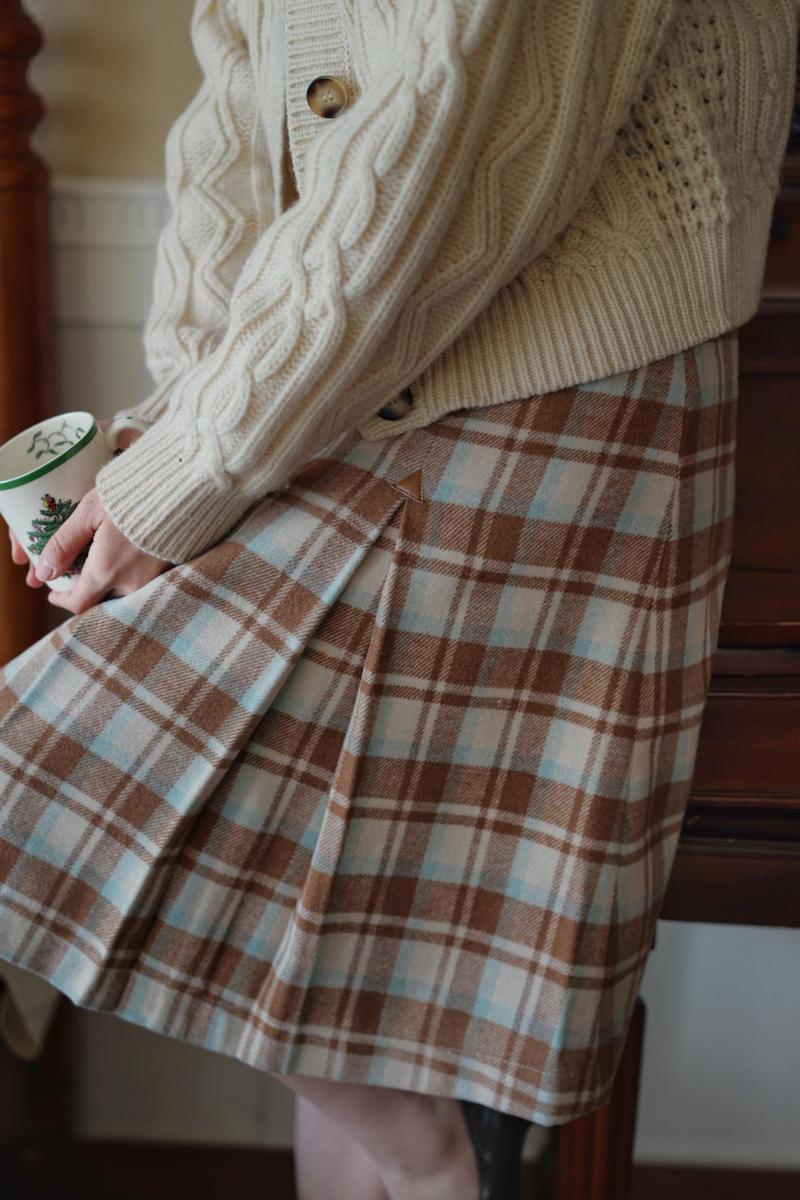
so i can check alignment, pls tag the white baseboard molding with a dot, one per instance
(120, 213)
(104, 237)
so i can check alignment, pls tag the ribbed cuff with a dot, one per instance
(164, 501)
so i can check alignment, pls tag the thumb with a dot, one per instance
(67, 542)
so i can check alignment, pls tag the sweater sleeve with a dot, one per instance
(419, 202)
(218, 208)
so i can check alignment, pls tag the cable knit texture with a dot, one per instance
(520, 196)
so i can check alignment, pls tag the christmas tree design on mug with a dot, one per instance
(53, 514)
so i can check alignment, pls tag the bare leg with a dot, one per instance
(328, 1162)
(418, 1144)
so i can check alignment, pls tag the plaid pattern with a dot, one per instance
(383, 789)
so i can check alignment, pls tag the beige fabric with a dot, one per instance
(522, 195)
(27, 1006)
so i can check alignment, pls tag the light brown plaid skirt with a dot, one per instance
(387, 789)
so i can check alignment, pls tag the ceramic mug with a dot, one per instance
(44, 472)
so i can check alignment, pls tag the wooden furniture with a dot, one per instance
(739, 854)
(26, 324)
(738, 859)
(35, 1108)
(591, 1158)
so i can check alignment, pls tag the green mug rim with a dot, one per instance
(19, 480)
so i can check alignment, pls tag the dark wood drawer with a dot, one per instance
(750, 747)
(762, 597)
(738, 858)
(783, 255)
(749, 752)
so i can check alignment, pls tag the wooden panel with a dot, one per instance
(735, 882)
(768, 469)
(656, 1182)
(108, 1170)
(768, 344)
(762, 597)
(783, 255)
(749, 751)
(160, 1171)
(750, 745)
(761, 608)
(165, 1170)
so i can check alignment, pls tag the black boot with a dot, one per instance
(497, 1139)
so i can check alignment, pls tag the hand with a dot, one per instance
(118, 569)
(124, 437)
(18, 554)
(113, 567)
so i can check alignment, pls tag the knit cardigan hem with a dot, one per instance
(582, 325)
(578, 326)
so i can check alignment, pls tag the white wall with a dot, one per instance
(722, 1058)
(722, 1047)
(113, 75)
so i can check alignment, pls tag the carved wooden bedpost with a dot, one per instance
(34, 1097)
(26, 326)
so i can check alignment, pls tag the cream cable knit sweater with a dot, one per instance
(522, 195)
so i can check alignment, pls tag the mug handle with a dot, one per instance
(118, 426)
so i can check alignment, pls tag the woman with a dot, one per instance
(370, 766)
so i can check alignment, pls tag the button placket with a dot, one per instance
(315, 47)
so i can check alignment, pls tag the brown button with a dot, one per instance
(397, 408)
(326, 96)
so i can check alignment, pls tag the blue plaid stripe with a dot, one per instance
(386, 790)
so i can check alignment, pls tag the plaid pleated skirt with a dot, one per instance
(386, 786)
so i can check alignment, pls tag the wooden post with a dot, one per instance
(37, 1149)
(26, 325)
(593, 1154)
(35, 1098)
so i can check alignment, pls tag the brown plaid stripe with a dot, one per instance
(388, 790)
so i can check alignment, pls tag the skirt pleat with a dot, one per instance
(386, 786)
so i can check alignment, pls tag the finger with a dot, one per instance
(86, 593)
(60, 600)
(18, 554)
(67, 542)
(126, 437)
